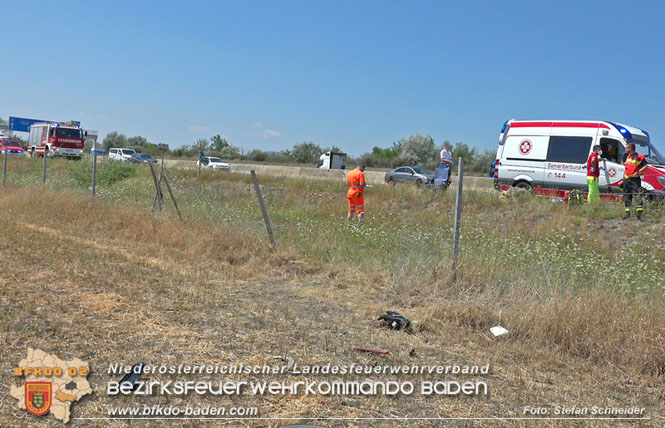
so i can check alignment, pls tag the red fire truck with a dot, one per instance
(56, 139)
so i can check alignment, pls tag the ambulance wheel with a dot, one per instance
(524, 185)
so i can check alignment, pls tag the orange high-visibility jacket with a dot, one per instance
(632, 165)
(354, 181)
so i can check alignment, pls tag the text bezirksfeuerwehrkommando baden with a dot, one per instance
(306, 387)
(296, 369)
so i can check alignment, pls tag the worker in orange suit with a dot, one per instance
(356, 183)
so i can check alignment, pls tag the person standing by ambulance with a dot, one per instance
(636, 166)
(356, 184)
(592, 174)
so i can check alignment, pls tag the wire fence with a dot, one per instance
(308, 217)
(210, 200)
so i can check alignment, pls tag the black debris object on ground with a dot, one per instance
(133, 376)
(395, 320)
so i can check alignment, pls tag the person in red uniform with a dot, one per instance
(636, 166)
(356, 184)
(592, 174)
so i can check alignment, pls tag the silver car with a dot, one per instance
(409, 174)
(142, 158)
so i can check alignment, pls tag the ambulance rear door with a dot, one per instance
(523, 158)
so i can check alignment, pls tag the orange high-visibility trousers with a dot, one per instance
(355, 181)
(356, 203)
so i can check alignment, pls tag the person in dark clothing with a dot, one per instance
(636, 166)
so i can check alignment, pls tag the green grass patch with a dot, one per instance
(108, 172)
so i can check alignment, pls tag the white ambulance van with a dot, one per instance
(551, 155)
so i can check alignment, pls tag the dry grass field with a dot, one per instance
(580, 292)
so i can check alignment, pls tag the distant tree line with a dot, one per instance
(138, 143)
(216, 146)
(304, 153)
(412, 150)
(422, 151)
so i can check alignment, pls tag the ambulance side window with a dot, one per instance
(569, 149)
(611, 149)
(622, 153)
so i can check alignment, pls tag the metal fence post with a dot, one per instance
(168, 187)
(158, 189)
(44, 171)
(159, 194)
(94, 172)
(458, 216)
(263, 208)
(4, 169)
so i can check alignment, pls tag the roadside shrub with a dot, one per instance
(108, 172)
(258, 155)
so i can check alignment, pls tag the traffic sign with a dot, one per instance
(22, 124)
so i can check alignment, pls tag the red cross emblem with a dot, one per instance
(525, 147)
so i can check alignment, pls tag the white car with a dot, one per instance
(213, 163)
(121, 154)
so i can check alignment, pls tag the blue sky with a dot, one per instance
(354, 74)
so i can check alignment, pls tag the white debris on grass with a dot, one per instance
(498, 331)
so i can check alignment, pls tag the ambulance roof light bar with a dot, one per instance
(624, 132)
